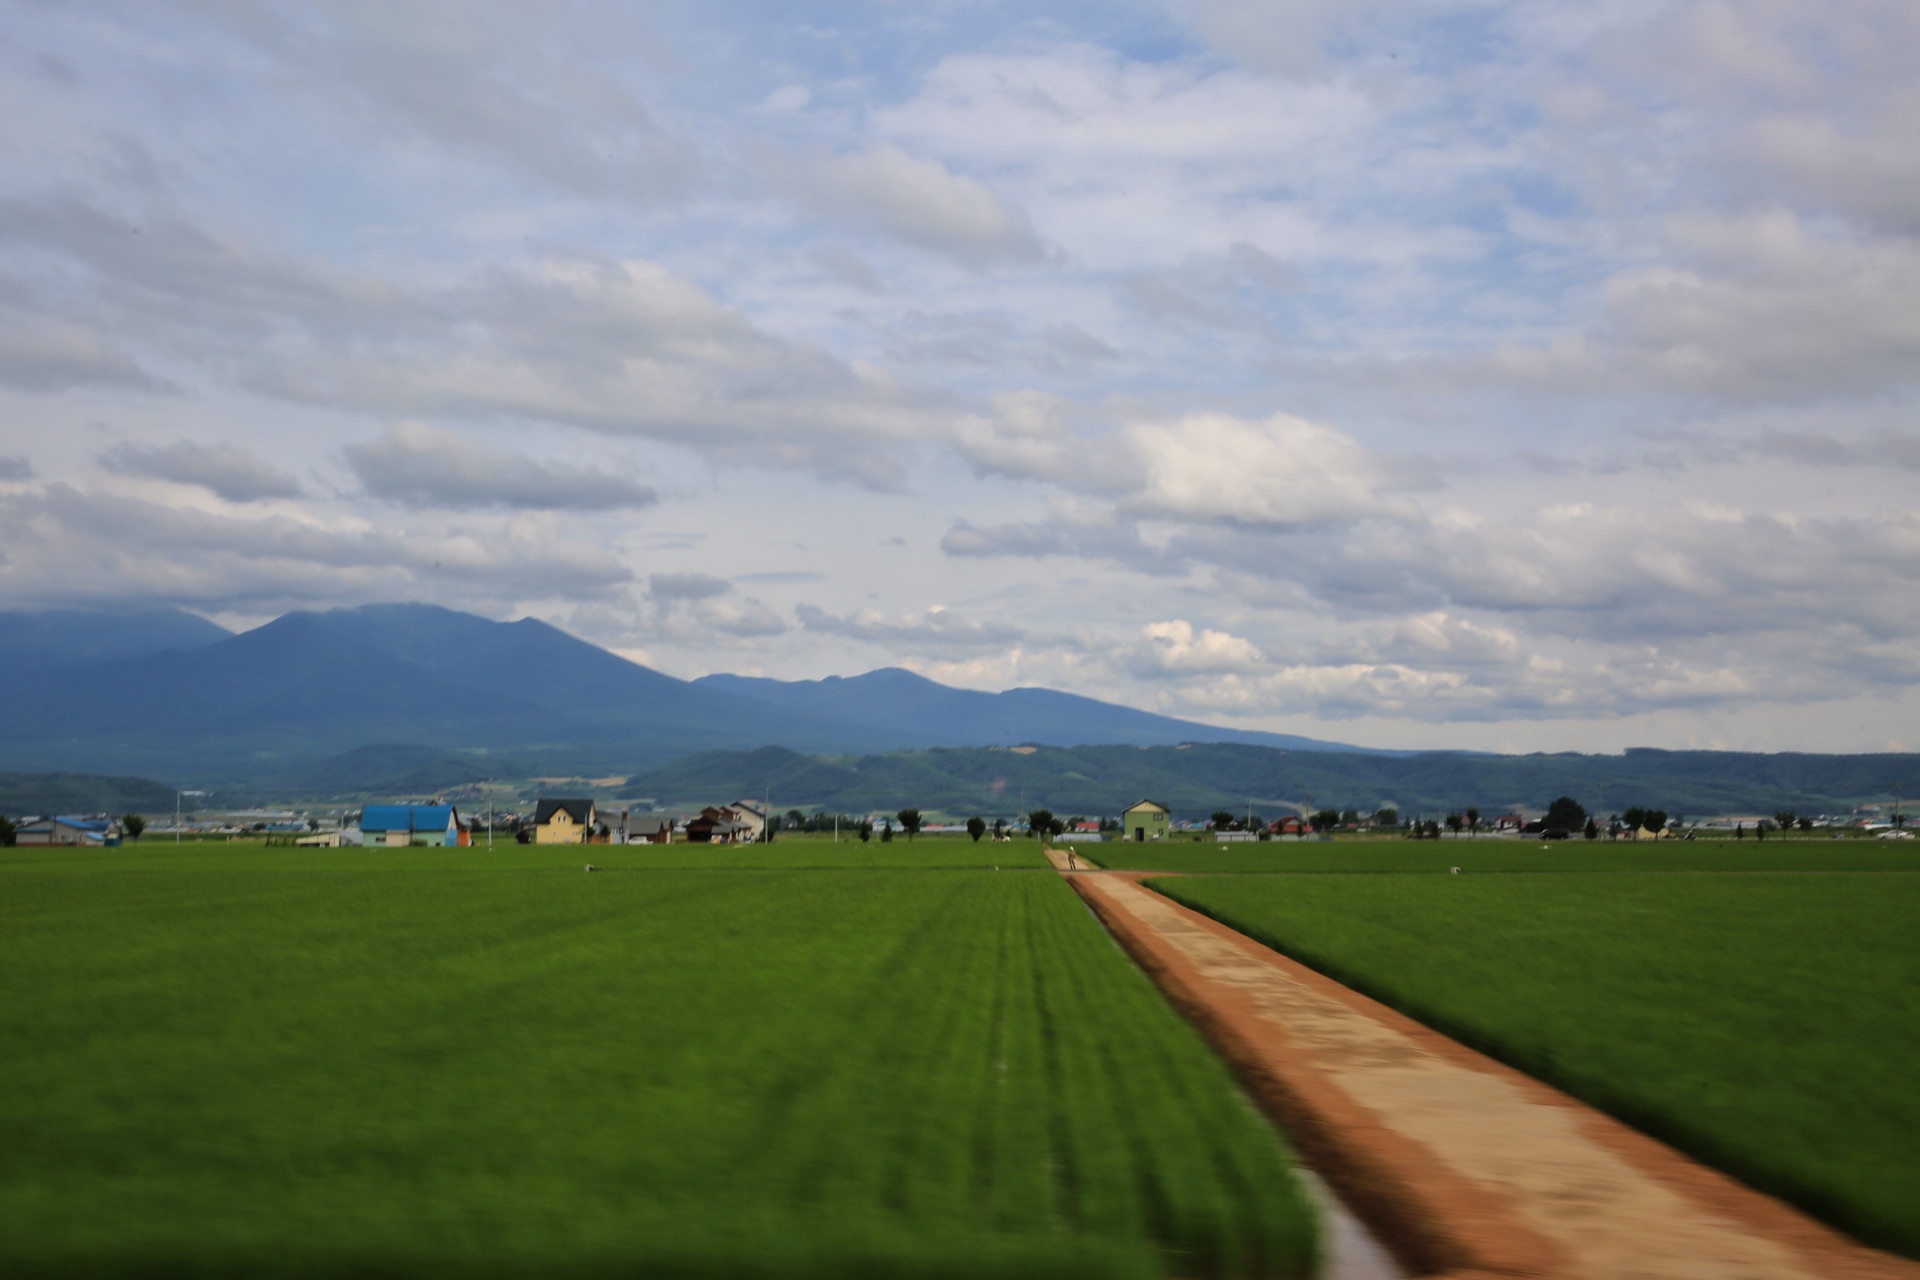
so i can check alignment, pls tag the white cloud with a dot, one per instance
(918, 200)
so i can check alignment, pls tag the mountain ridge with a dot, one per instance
(178, 698)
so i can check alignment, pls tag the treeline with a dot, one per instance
(1199, 779)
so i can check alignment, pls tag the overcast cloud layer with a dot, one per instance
(1504, 375)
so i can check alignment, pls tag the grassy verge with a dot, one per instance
(1394, 854)
(1767, 1024)
(414, 1067)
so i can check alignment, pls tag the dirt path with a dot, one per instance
(1467, 1167)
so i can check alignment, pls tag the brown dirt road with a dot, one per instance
(1465, 1167)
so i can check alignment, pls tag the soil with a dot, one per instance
(1465, 1167)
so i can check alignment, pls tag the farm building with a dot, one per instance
(70, 832)
(1145, 820)
(567, 822)
(1292, 825)
(650, 831)
(400, 825)
(719, 826)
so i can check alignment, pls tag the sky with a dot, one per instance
(1511, 376)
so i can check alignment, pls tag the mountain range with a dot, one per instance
(384, 696)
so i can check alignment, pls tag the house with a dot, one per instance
(67, 832)
(1508, 822)
(750, 816)
(565, 822)
(1292, 825)
(324, 840)
(1145, 820)
(400, 825)
(718, 826)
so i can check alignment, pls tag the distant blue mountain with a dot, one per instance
(292, 702)
(72, 637)
(936, 715)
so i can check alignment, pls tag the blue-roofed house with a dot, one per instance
(400, 825)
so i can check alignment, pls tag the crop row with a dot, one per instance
(422, 1069)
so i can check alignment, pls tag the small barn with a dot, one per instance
(68, 832)
(1146, 820)
(400, 825)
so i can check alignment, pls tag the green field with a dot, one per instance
(1392, 853)
(1769, 1024)
(240, 1061)
(788, 852)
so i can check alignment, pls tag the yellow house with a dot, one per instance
(563, 822)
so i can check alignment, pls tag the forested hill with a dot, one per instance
(1201, 778)
(51, 793)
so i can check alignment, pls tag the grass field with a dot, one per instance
(788, 852)
(1769, 1024)
(241, 1061)
(1507, 854)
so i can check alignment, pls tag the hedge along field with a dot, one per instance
(1768, 1025)
(1504, 853)
(418, 1070)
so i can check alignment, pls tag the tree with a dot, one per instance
(999, 826)
(1455, 823)
(133, 824)
(1566, 814)
(1432, 829)
(6, 831)
(1593, 829)
(910, 823)
(794, 821)
(1386, 818)
(1760, 829)
(1634, 818)
(1044, 825)
(1325, 819)
(866, 831)
(976, 827)
(1806, 824)
(1222, 820)
(1350, 818)
(1656, 820)
(1783, 818)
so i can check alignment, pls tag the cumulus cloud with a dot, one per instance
(415, 463)
(226, 470)
(1279, 472)
(1176, 647)
(935, 628)
(13, 467)
(918, 200)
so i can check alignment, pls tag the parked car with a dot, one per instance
(1895, 835)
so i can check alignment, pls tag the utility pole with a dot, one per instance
(488, 784)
